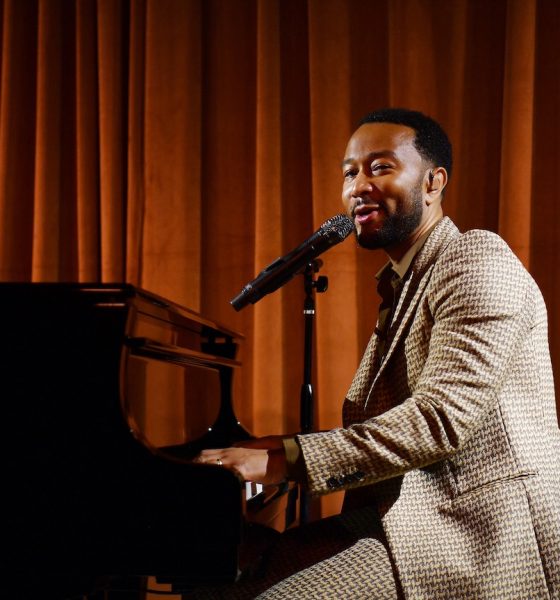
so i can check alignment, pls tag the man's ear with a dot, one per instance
(435, 184)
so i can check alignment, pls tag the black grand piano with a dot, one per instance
(108, 392)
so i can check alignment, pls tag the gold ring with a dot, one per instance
(219, 461)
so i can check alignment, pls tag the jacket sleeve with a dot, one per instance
(478, 297)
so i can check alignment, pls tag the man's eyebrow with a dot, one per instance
(372, 156)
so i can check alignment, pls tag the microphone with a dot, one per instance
(332, 231)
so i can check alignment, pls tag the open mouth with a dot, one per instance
(366, 212)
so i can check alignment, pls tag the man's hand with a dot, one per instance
(261, 465)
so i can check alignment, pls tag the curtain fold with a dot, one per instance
(183, 145)
(269, 379)
(517, 128)
(171, 168)
(87, 231)
(48, 208)
(17, 138)
(112, 77)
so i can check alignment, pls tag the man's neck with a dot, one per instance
(401, 265)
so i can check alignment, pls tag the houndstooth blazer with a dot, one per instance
(453, 434)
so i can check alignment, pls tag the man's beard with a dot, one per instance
(397, 227)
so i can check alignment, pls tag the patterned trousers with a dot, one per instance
(339, 557)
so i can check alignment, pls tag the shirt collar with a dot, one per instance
(400, 267)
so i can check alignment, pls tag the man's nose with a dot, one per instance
(362, 185)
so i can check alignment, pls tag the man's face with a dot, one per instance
(382, 190)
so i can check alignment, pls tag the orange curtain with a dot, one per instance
(182, 145)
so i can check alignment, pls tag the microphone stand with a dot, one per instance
(311, 284)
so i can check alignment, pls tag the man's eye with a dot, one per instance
(350, 173)
(380, 167)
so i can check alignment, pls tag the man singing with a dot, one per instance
(450, 449)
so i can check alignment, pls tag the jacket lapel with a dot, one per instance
(413, 289)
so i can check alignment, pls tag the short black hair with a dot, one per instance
(431, 141)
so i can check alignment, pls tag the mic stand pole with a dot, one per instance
(306, 396)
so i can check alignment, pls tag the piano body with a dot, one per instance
(91, 487)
